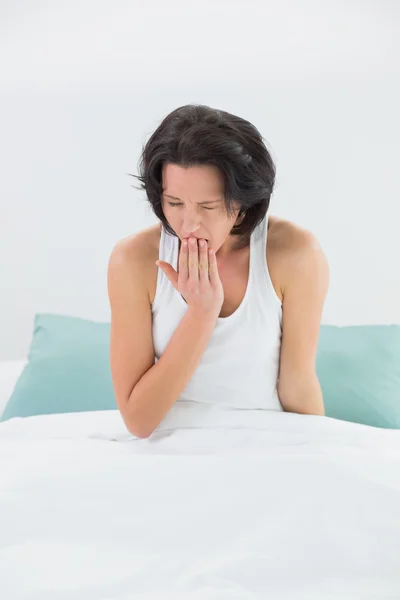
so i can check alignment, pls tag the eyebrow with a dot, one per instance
(179, 200)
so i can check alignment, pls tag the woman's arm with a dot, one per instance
(306, 281)
(145, 391)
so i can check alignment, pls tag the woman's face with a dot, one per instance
(193, 203)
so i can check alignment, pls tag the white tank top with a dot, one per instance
(240, 365)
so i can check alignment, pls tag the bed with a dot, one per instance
(217, 504)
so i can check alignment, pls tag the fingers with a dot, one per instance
(169, 271)
(193, 259)
(212, 267)
(195, 262)
(203, 260)
(183, 262)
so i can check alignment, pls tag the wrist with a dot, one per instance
(204, 314)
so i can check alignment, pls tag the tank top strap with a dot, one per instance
(168, 252)
(262, 279)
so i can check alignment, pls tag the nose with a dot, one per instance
(191, 226)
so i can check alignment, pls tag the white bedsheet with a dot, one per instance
(215, 505)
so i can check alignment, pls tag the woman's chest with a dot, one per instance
(234, 279)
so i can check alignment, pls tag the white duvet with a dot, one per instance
(215, 505)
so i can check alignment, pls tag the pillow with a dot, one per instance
(67, 371)
(10, 370)
(359, 371)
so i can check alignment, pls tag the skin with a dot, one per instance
(298, 268)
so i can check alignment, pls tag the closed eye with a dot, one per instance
(179, 204)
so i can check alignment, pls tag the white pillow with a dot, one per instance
(10, 370)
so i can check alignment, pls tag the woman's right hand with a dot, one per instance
(197, 279)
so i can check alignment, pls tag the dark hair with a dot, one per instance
(194, 135)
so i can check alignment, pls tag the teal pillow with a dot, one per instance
(359, 371)
(68, 369)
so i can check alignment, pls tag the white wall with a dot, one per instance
(83, 84)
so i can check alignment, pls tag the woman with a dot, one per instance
(220, 302)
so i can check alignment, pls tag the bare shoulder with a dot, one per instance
(138, 247)
(292, 249)
(290, 238)
(137, 253)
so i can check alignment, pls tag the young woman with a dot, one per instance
(220, 302)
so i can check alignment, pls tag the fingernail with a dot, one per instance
(202, 243)
(185, 242)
